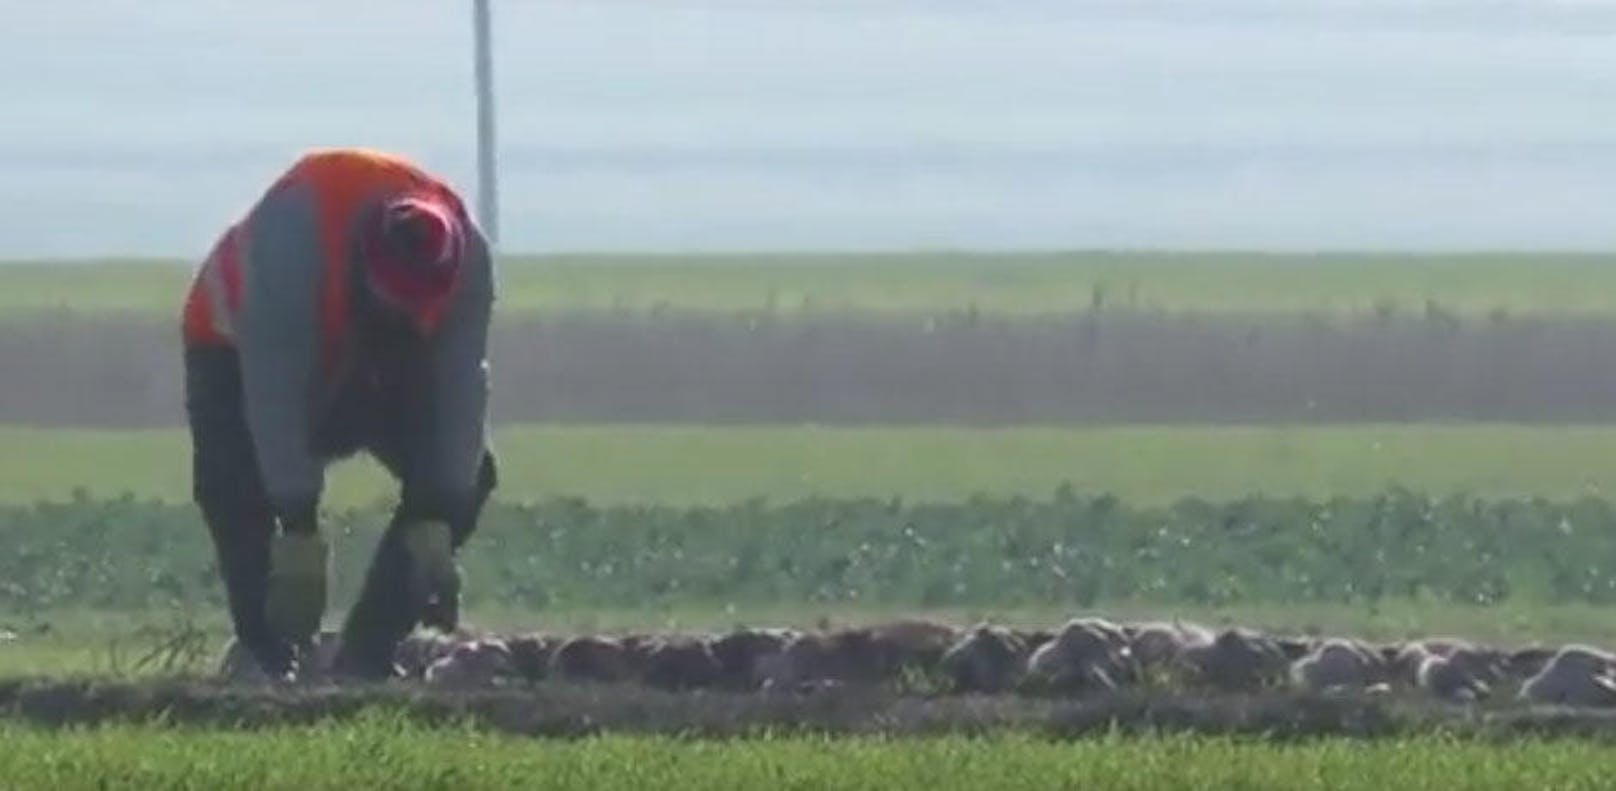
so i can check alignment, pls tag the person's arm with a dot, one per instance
(277, 334)
(443, 468)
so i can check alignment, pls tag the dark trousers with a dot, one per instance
(228, 488)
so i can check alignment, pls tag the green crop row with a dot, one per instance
(1064, 550)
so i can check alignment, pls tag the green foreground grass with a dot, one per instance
(1010, 283)
(379, 752)
(1144, 465)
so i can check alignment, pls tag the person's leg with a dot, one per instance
(227, 488)
(464, 524)
(391, 603)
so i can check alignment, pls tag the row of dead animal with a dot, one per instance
(1085, 655)
(1090, 654)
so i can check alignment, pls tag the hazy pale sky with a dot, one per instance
(143, 127)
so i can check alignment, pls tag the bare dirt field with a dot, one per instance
(1109, 366)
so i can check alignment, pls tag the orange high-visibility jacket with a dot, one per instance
(276, 287)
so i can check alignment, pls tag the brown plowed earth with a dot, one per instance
(561, 710)
(121, 372)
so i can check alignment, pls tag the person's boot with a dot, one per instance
(382, 616)
(265, 662)
(295, 599)
(365, 663)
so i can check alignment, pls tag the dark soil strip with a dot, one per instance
(566, 711)
(1116, 366)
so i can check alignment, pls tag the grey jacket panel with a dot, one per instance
(278, 338)
(458, 381)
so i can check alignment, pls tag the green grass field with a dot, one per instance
(681, 465)
(1560, 284)
(377, 752)
(702, 465)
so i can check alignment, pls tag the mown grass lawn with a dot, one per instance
(685, 465)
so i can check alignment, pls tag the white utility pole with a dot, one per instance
(487, 186)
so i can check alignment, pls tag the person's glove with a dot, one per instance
(295, 600)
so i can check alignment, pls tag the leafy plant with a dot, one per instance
(1070, 549)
